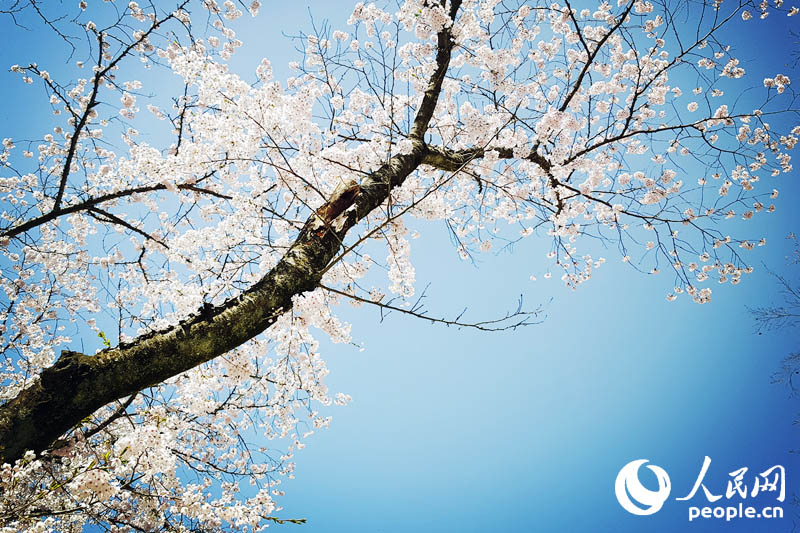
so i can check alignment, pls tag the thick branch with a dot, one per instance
(89, 203)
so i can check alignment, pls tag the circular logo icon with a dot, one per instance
(633, 496)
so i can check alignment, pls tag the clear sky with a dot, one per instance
(526, 430)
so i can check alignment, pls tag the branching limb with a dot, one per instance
(517, 318)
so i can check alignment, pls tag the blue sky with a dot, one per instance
(526, 430)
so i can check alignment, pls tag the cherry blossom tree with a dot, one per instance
(220, 256)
